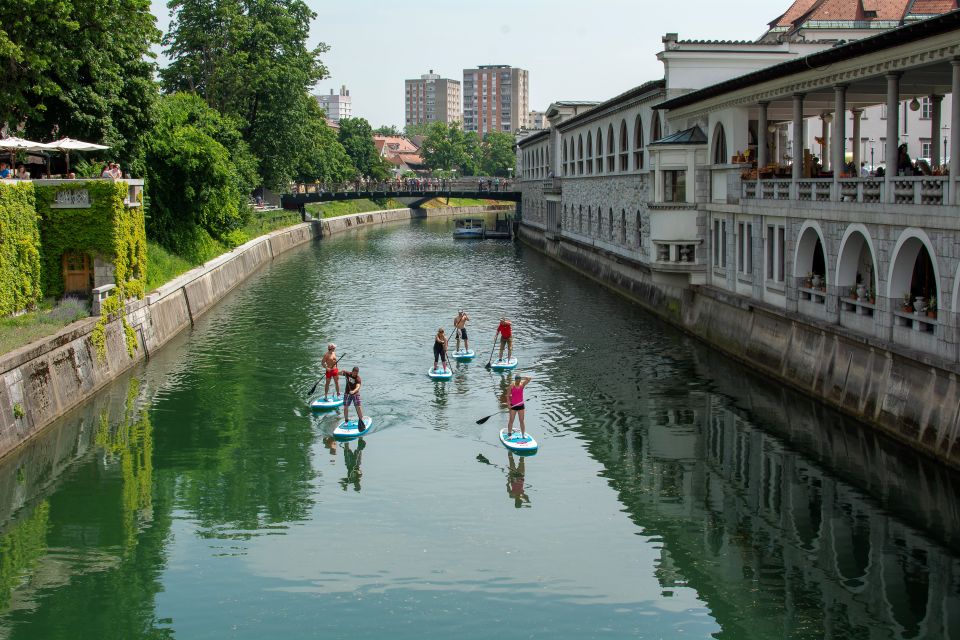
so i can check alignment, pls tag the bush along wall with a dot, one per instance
(19, 248)
(103, 227)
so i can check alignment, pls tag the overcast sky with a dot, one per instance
(573, 51)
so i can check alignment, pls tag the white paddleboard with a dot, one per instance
(469, 354)
(347, 430)
(327, 402)
(517, 442)
(504, 365)
(440, 374)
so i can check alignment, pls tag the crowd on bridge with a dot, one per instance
(410, 184)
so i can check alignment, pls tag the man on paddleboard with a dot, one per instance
(515, 397)
(505, 331)
(329, 362)
(352, 397)
(460, 329)
(440, 349)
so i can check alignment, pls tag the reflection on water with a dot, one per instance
(677, 495)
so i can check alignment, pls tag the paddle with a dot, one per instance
(314, 388)
(483, 420)
(492, 347)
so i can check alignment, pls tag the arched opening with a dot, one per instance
(580, 225)
(623, 226)
(589, 152)
(611, 146)
(856, 268)
(580, 154)
(565, 157)
(810, 262)
(656, 131)
(624, 152)
(719, 145)
(599, 222)
(913, 278)
(599, 165)
(589, 220)
(638, 143)
(639, 230)
(610, 224)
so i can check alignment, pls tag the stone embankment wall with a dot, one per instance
(909, 396)
(44, 380)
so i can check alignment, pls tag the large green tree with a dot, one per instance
(356, 136)
(448, 148)
(249, 60)
(322, 157)
(79, 68)
(498, 155)
(200, 173)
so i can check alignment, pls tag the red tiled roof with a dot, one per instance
(932, 7)
(837, 10)
(395, 144)
(795, 12)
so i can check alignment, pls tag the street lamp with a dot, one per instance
(873, 167)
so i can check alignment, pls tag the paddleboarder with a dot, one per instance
(515, 396)
(330, 371)
(505, 331)
(440, 349)
(460, 329)
(351, 396)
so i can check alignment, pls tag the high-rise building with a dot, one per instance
(496, 97)
(337, 106)
(537, 120)
(431, 99)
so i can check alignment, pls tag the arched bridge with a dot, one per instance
(412, 194)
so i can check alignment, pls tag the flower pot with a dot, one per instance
(861, 292)
(931, 313)
(919, 305)
(816, 281)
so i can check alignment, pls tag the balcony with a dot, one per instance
(906, 190)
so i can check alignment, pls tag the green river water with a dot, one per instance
(675, 494)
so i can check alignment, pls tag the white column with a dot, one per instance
(839, 129)
(825, 147)
(955, 126)
(936, 102)
(763, 149)
(893, 131)
(797, 173)
(857, 113)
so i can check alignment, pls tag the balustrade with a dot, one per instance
(925, 190)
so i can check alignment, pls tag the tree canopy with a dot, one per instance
(448, 148)
(356, 136)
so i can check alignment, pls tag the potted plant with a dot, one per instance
(907, 308)
(932, 307)
(854, 293)
(808, 281)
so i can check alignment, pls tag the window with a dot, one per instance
(675, 186)
(925, 148)
(719, 145)
(926, 108)
(639, 231)
(781, 233)
(745, 247)
(610, 225)
(611, 146)
(599, 222)
(638, 144)
(656, 131)
(740, 260)
(883, 111)
(580, 155)
(599, 151)
(624, 154)
(623, 227)
(565, 158)
(580, 225)
(589, 152)
(771, 257)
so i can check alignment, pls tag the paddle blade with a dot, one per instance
(482, 420)
(314, 387)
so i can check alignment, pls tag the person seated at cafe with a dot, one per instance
(864, 172)
(107, 171)
(904, 163)
(5, 173)
(923, 168)
(22, 173)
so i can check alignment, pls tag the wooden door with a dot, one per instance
(77, 273)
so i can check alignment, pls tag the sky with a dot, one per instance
(573, 51)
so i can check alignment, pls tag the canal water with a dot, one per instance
(675, 494)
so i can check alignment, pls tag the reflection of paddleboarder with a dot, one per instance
(460, 329)
(516, 478)
(352, 460)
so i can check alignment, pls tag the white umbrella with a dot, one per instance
(14, 144)
(67, 145)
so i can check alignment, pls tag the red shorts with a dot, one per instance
(332, 373)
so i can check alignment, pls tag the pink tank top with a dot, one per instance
(516, 395)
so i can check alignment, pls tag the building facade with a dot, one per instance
(431, 99)
(337, 105)
(845, 287)
(495, 98)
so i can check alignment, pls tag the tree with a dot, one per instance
(416, 130)
(323, 158)
(356, 136)
(80, 68)
(249, 60)
(447, 148)
(387, 130)
(200, 173)
(498, 154)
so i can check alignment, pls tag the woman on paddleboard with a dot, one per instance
(440, 349)
(515, 396)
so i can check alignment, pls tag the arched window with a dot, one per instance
(639, 233)
(624, 152)
(589, 219)
(611, 146)
(599, 165)
(623, 227)
(719, 145)
(580, 154)
(610, 224)
(564, 157)
(599, 222)
(580, 225)
(589, 152)
(656, 131)
(638, 143)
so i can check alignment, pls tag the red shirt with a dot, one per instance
(505, 329)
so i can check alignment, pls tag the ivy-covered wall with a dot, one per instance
(107, 229)
(19, 248)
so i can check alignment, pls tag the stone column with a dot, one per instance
(798, 133)
(857, 113)
(935, 103)
(825, 136)
(893, 132)
(763, 149)
(839, 134)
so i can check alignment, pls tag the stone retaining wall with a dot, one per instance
(42, 381)
(910, 397)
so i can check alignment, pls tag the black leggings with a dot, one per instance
(439, 352)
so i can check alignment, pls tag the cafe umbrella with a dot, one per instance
(66, 145)
(14, 144)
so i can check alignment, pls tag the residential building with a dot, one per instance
(431, 99)
(337, 105)
(401, 153)
(495, 98)
(537, 120)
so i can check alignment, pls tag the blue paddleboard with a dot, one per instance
(469, 354)
(504, 365)
(524, 443)
(440, 374)
(327, 402)
(348, 430)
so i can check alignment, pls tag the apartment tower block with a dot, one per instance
(431, 99)
(495, 98)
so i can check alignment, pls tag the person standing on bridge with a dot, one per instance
(460, 330)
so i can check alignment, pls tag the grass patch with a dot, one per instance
(163, 266)
(348, 207)
(49, 318)
(439, 203)
(263, 223)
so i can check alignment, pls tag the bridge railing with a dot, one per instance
(412, 185)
